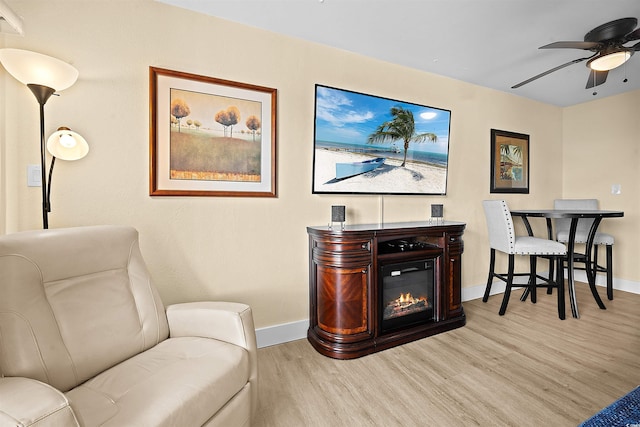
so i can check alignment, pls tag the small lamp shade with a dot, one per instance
(610, 60)
(38, 69)
(66, 144)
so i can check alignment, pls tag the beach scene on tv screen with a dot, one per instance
(374, 145)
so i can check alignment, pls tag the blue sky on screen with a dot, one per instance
(350, 117)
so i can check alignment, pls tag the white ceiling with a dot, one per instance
(491, 43)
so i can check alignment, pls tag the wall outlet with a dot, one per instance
(34, 176)
(616, 189)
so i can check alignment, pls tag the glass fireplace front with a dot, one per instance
(406, 294)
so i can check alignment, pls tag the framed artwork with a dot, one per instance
(509, 162)
(366, 144)
(210, 137)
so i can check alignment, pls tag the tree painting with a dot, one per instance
(253, 124)
(234, 117)
(214, 144)
(179, 109)
(228, 118)
(401, 127)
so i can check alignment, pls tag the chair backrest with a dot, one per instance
(584, 224)
(74, 302)
(500, 225)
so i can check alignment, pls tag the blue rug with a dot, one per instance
(624, 412)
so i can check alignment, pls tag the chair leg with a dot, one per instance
(560, 286)
(610, 272)
(533, 279)
(552, 263)
(492, 264)
(507, 290)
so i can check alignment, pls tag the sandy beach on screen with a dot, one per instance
(415, 177)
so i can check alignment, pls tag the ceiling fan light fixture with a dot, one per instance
(610, 60)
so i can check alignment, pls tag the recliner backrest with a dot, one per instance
(74, 302)
(500, 225)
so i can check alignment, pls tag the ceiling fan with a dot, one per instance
(607, 41)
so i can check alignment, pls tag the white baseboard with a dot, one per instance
(279, 334)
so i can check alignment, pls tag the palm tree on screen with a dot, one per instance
(401, 127)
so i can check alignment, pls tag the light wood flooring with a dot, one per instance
(526, 368)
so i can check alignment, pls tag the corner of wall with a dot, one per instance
(3, 154)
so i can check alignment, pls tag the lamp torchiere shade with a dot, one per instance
(32, 68)
(66, 144)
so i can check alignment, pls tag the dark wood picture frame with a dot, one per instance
(509, 162)
(210, 137)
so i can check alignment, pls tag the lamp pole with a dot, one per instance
(42, 94)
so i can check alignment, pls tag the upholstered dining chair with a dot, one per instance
(502, 238)
(582, 232)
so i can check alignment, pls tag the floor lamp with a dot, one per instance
(43, 75)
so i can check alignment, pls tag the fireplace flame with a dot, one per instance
(405, 304)
(408, 299)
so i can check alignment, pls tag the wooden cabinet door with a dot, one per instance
(455, 248)
(342, 299)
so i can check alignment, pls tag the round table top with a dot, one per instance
(565, 213)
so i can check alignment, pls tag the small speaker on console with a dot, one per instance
(437, 214)
(337, 214)
(437, 211)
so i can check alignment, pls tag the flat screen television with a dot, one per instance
(366, 144)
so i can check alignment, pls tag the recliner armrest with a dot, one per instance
(225, 321)
(25, 402)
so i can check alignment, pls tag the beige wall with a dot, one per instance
(601, 147)
(245, 249)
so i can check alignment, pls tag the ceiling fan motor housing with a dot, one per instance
(611, 30)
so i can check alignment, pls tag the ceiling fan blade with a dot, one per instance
(596, 78)
(571, 45)
(559, 67)
(634, 35)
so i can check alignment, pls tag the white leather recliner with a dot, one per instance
(86, 341)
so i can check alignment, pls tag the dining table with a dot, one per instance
(575, 215)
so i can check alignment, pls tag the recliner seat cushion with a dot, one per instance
(179, 382)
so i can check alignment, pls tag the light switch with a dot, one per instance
(34, 176)
(616, 189)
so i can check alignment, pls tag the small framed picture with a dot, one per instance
(509, 162)
(210, 137)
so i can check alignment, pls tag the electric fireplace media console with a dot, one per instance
(372, 287)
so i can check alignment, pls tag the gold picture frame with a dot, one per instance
(210, 137)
